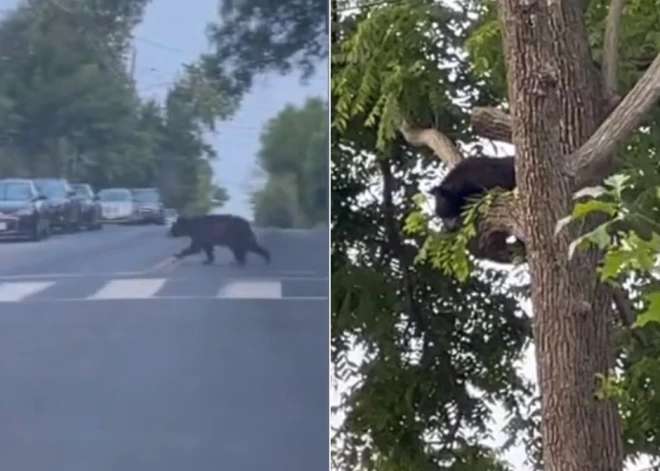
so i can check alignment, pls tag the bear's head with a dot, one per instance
(445, 204)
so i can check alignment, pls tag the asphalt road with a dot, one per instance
(112, 358)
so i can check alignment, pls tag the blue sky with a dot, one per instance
(173, 33)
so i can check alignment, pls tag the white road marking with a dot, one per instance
(251, 290)
(135, 288)
(14, 292)
(175, 298)
(49, 276)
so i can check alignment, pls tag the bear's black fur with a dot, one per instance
(470, 178)
(222, 230)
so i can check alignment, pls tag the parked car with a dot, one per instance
(66, 210)
(23, 210)
(117, 205)
(91, 207)
(149, 205)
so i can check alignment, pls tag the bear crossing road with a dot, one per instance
(218, 230)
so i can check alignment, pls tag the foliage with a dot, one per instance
(276, 205)
(258, 36)
(448, 252)
(294, 156)
(70, 109)
(398, 64)
(631, 242)
(220, 196)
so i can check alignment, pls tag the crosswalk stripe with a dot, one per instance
(132, 288)
(14, 292)
(252, 290)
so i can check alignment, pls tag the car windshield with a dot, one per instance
(146, 196)
(83, 191)
(51, 188)
(15, 191)
(115, 195)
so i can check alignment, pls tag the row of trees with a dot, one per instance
(69, 106)
(294, 158)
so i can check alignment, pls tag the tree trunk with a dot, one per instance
(555, 98)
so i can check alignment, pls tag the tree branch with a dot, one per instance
(627, 315)
(624, 306)
(619, 125)
(611, 49)
(440, 144)
(492, 123)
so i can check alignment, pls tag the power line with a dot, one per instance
(160, 45)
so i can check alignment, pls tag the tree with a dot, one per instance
(257, 36)
(220, 196)
(276, 205)
(566, 124)
(186, 174)
(294, 156)
(69, 108)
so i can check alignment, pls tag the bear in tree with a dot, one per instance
(470, 178)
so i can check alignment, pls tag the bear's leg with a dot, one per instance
(210, 256)
(239, 254)
(194, 248)
(259, 250)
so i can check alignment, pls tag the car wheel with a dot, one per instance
(36, 234)
(75, 225)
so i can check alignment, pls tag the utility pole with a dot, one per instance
(131, 70)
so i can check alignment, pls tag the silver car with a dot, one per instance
(117, 205)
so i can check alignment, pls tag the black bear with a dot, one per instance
(470, 178)
(222, 230)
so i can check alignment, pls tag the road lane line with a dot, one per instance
(251, 290)
(14, 292)
(166, 263)
(161, 299)
(135, 288)
(33, 276)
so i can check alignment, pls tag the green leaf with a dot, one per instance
(652, 312)
(583, 209)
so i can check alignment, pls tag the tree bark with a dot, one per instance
(557, 103)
